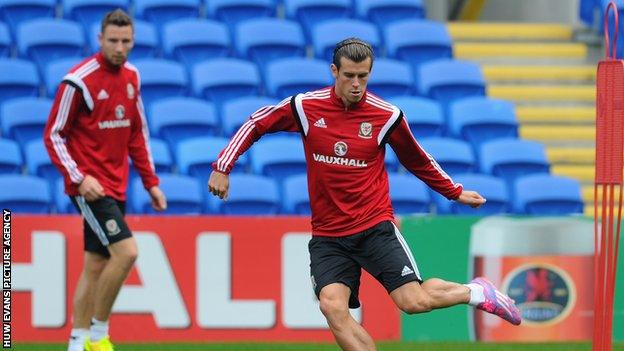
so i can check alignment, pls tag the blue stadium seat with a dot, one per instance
(278, 158)
(480, 119)
(291, 76)
(424, 116)
(391, 78)
(248, 195)
(18, 78)
(453, 155)
(176, 119)
(46, 40)
(56, 70)
(384, 12)
(266, 39)
(160, 12)
(312, 12)
(220, 80)
(62, 203)
(10, 157)
(14, 12)
(90, 12)
(513, 158)
(237, 111)
(195, 156)
(146, 41)
(418, 41)
(295, 198)
(28, 194)
(5, 40)
(163, 161)
(326, 35)
(233, 12)
(448, 80)
(391, 160)
(38, 162)
(24, 119)
(193, 40)
(161, 79)
(587, 10)
(184, 195)
(408, 194)
(547, 195)
(491, 188)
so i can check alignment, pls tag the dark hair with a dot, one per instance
(117, 18)
(354, 49)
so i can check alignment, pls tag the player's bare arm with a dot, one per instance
(471, 198)
(219, 184)
(159, 201)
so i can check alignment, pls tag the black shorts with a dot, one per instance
(103, 222)
(381, 251)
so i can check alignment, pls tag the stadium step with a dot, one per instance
(546, 133)
(582, 173)
(589, 210)
(556, 114)
(571, 155)
(542, 73)
(509, 31)
(543, 93)
(469, 51)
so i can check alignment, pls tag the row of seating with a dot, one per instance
(474, 119)
(539, 194)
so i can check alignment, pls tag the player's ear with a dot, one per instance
(334, 70)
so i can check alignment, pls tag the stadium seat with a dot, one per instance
(454, 155)
(56, 70)
(5, 40)
(547, 195)
(38, 162)
(587, 10)
(193, 40)
(161, 79)
(418, 41)
(480, 119)
(295, 197)
(237, 111)
(160, 12)
(312, 12)
(24, 119)
(513, 158)
(326, 35)
(163, 161)
(195, 156)
(447, 80)
(491, 188)
(391, 160)
(184, 195)
(291, 76)
(233, 12)
(278, 158)
(10, 157)
(408, 194)
(90, 12)
(28, 194)
(220, 80)
(146, 42)
(62, 203)
(176, 119)
(391, 78)
(248, 195)
(384, 12)
(46, 40)
(263, 40)
(14, 12)
(18, 78)
(424, 116)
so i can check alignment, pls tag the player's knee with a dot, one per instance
(416, 305)
(333, 308)
(126, 257)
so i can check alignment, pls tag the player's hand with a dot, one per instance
(219, 184)
(159, 201)
(471, 198)
(91, 189)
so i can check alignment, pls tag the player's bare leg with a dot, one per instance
(433, 293)
(349, 334)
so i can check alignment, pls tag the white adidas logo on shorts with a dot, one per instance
(406, 271)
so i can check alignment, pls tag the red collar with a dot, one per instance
(338, 101)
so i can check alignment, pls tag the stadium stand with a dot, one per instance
(28, 194)
(23, 119)
(18, 78)
(191, 41)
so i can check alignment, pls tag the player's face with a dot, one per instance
(116, 43)
(351, 79)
